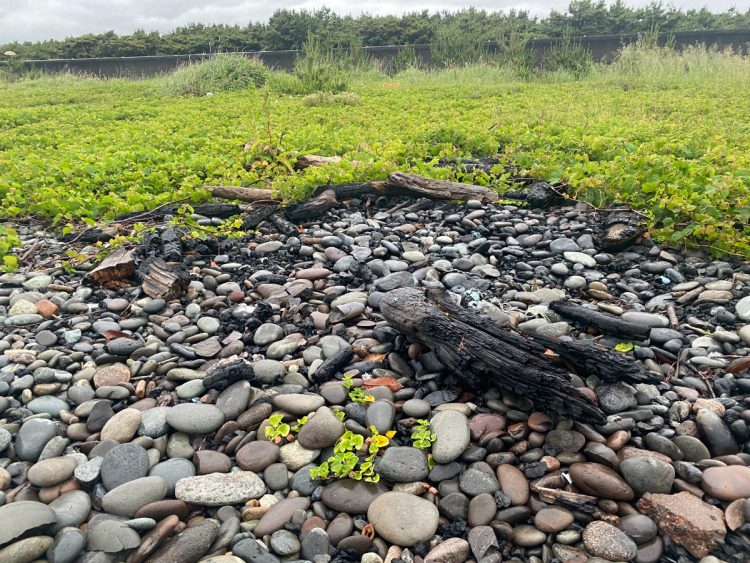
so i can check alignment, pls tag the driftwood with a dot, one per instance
(162, 281)
(482, 352)
(119, 265)
(250, 195)
(603, 322)
(415, 185)
(310, 160)
(398, 184)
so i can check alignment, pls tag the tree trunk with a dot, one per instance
(482, 352)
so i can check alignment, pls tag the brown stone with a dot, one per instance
(452, 550)
(111, 375)
(513, 483)
(625, 453)
(600, 481)
(686, 519)
(210, 461)
(162, 509)
(553, 519)
(312, 522)
(484, 423)
(256, 456)
(279, 514)
(735, 514)
(727, 483)
(154, 538)
(539, 422)
(618, 439)
(46, 308)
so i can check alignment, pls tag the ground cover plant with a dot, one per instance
(668, 134)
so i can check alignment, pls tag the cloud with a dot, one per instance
(33, 20)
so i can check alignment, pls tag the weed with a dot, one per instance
(277, 430)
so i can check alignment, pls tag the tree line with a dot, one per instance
(289, 29)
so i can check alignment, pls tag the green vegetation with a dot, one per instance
(288, 29)
(356, 394)
(223, 73)
(421, 435)
(277, 430)
(354, 457)
(667, 133)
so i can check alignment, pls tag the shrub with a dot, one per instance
(319, 70)
(568, 55)
(222, 73)
(454, 47)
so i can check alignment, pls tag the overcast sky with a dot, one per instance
(31, 20)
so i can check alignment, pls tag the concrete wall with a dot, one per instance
(602, 47)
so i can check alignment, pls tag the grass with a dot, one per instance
(668, 134)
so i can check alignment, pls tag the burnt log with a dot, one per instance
(225, 372)
(120, 265)
(482, 353)
(252, 219)
(312, 208)
(161, 280)
(622, 229)
(603, 322)
(332, 365)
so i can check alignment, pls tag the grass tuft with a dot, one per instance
(222, 73)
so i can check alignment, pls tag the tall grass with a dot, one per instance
(645, 63)
(222, 73)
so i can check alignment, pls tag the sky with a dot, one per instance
(32, 20)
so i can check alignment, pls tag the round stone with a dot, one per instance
(528, 536)
(209, 325)
(172, 470)
(452, 435)
(267, 333)
(129, 497)
(647, 474)
(403, 519)
(124, 463)
(600, 481)
(23, 516)
(111, 375)
(553, 519)
(218, 489)
(51, 471)
(605, 540)
(403, 464)
(322, 430)
(727, 483)
(195, 418)
(639, 527)
(122, 426)
(350, 496)
(256, 456)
